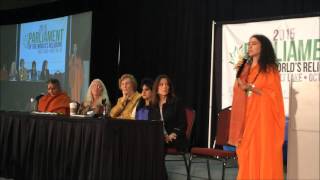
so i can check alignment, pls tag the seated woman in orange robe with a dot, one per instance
(56, 100)
(257, 117)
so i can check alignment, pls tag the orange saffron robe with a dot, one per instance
(238, 109)
(259, 148)
(58, 103)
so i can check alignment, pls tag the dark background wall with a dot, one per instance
(160, 37)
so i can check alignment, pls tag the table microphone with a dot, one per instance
(104, 106)
(39, 96)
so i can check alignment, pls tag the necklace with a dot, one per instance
(249, 90)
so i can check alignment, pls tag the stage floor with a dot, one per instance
(176, 170)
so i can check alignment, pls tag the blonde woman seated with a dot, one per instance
(96, 99)
(130, 97)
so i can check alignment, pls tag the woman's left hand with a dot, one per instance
(172, 137)
(242, 84)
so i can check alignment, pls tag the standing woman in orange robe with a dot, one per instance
(75, 74)
(261, 134)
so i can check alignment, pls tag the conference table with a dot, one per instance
(43, 147)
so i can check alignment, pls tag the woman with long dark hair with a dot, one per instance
(257, 117)
(33, 71)
(45, 74)
(167, 108)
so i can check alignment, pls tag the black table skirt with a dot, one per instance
(39, 147)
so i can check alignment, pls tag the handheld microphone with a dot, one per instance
(246, 59)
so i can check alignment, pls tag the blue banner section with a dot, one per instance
(44, 40)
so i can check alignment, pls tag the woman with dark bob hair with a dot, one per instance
(144, 104)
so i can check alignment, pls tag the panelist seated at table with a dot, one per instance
(167, 108)
(96, 100)
(130, 97)
(144, 105)
(55, 100)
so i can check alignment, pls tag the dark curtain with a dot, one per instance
(173, 38)
(164, 37)
(104, 45)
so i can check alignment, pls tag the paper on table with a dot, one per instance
(79, 115)
(47, 113)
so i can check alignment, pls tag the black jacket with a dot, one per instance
(174, 117)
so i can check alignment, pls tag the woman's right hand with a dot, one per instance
(124, 99)
(239, 64)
